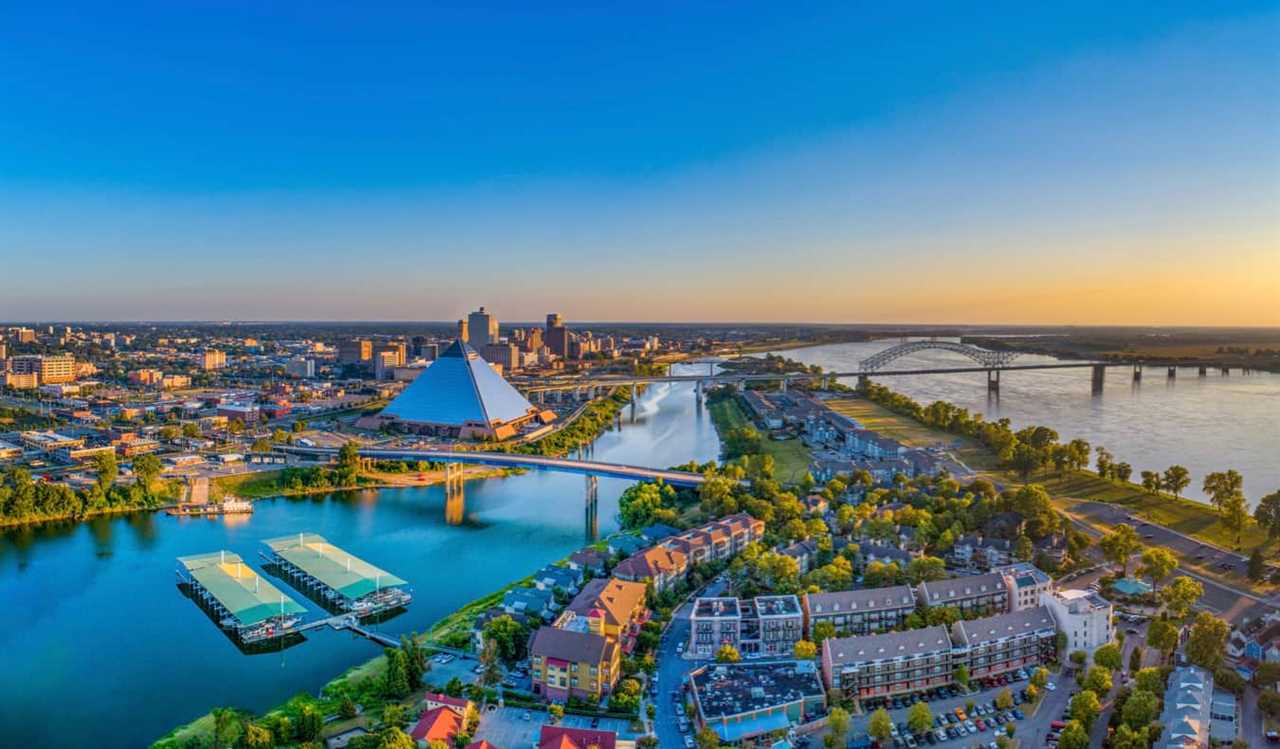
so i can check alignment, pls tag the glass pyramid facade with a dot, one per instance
(459, 388)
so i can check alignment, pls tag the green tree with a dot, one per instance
(1135, 659)
(926, 569)
(727, 654)
(1157, 564)
(838, 721)
(1026, 460)
(1130, 738)
(1123, 472)
(1108, 656)
(1022, 549)
(226, 726)
(1120, 544)
(707, 738)
(1074, 736)
(1140, 709)
(880, 726)
(823, 630)
(395, 738)
(490, 664)
(961, 676)
(1180, 595)
(1151, 481)
(1004, 699)
(1085, 708)
(395, 680)
(105, 466)
(1149, 680)
(146, 468)
(1207, 641)
(348, 470)
(1098, 680)
(1176, 478)
(556, 711)
(1235, 515)
(256, 737)
(1222, 485)
(919, 717)
(1040, 677)
(509, 635)
(1267, 514)
(1163, 636)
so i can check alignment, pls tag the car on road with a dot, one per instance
(1019, 715)
(688, 742)
(1051, 686)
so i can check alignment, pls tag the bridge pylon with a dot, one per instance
(993, 380)
(591, 508)
(455, 503)
(864, 383)
(1099, 378)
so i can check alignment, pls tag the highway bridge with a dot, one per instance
(509, 460)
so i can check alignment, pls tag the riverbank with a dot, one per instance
(790, 457)
(1070, 487)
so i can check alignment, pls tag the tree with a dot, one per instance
(1026, 460)
(104, 464)
(1207, 641)
(261, 445)
(727, 654)
(707, 738)
(1140, 709)
(926, 569)
(491, 664)
(1098, 680)
(1085, 708)
(146, 468)
(348, 463)
(1176, 478)
(1269, 703)
(509, 635)
(395, 738)
(823, 630)
(805, 650)
(1040, 677)
(1004, 700)
(256, 737)
(1222, 485)
(1120, 544)
(1151, 481)
(1180, 595)
(1149, 680)
(1108, 656)
(1235, 515)
(1135, 659)
(1074, 736)
(961, 676)
(556, 711)
(1157, 564)
(919, 717)
(1257, 565)
(1123, 471)
(838, 721)
(1104, 463)
(395, 681)
(880, 726)
(1130, 738)
(1163, 636)
(1022, 549)
(1267, 514)
(226, 726)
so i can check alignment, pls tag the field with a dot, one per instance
(790, 457)
(910, 432)
(254, 485)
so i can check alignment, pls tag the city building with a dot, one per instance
(1187, 712)
(564, 737)
(1027, 585)
(145, 377)
(464, 334)
(888, 664)
(483, 329)
(25, 381)
(983, 594)
(566, 662)
(355, 351)
(505, 355)
(9, 451)
(1084, 616)
(301, 367)
(742, 701)
(713, 624)
(998, 644)
(460, 396)
(557, 336)
(49, 369)
(660, 565)
(765, 625)
(860, 612)
(213, 359)
(609, 607)
(245, 413)
(49, 441)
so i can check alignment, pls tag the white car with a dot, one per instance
(1051, 686)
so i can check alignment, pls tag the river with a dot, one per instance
(1209, 423)
(99, 642)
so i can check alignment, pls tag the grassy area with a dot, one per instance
(790, 457)
(1182, 515)
(912, 433)
(254, 485)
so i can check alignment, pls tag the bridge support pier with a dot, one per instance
(542, 397)
(1099, 378)
(454, 497)
(591, 508)
(1226, 371)
(1173, 372)
(864, 383)
(1202, 371)
(1137, 373)
(993, 380)
(697, 393)
(784, 385)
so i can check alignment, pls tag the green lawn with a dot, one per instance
(255, 485)
(790, 457)
(912, 433)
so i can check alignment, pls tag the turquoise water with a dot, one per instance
(98, 641)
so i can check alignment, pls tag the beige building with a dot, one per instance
(213, 359)
(49, 369)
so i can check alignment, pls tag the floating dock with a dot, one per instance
(343, 581)
(241, 600)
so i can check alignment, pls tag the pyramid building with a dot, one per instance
(461, 396)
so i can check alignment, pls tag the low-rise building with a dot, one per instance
(765, 625)
(610, 607)
(714, 623)
(660, 565)
(998, 644)
(49, 441)
(860, 612)
(741, 701)
(564, 737)
(1084, 616)
(981, 594)
(1187, 711)
(1027, 584)
(9, 451)
(888, 664)
(565, 662)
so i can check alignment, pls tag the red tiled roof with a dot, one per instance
(441, 723)
(481, 744)
(561, 737)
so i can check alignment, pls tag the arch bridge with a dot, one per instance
(985, 357)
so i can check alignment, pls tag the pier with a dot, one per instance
(241, 601)
(339, 580)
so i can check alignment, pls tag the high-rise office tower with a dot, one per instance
(484, 329)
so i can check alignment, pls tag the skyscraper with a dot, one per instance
(463, 333)
(484, 329)
(557, 335)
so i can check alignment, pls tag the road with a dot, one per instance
(672, 669)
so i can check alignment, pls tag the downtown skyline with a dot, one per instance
(1098, 166)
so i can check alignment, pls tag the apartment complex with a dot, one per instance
(742, 701)
(570, 663)
(1186, 715)
(860, 612)
(1003, 643)
(609, 607)
(668, 562)
(1084, 616)
(49, 370)
(1027, 585)
(982, 594)
(889, 663)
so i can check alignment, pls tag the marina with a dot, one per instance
(341, 581)
(252, 608)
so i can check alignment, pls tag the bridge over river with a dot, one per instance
(510, 460)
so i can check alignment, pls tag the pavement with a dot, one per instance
(672, 669)
(519, 727)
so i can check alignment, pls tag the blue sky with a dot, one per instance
(737, 161)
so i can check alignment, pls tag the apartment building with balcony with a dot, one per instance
(860, 612)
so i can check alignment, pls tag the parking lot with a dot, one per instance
(519, 727)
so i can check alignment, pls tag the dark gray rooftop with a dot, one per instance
(887, 646)
(989, 628)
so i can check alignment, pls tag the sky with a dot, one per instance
(1094, 163)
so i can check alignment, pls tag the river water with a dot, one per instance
(99, 642)
(1207, 423)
